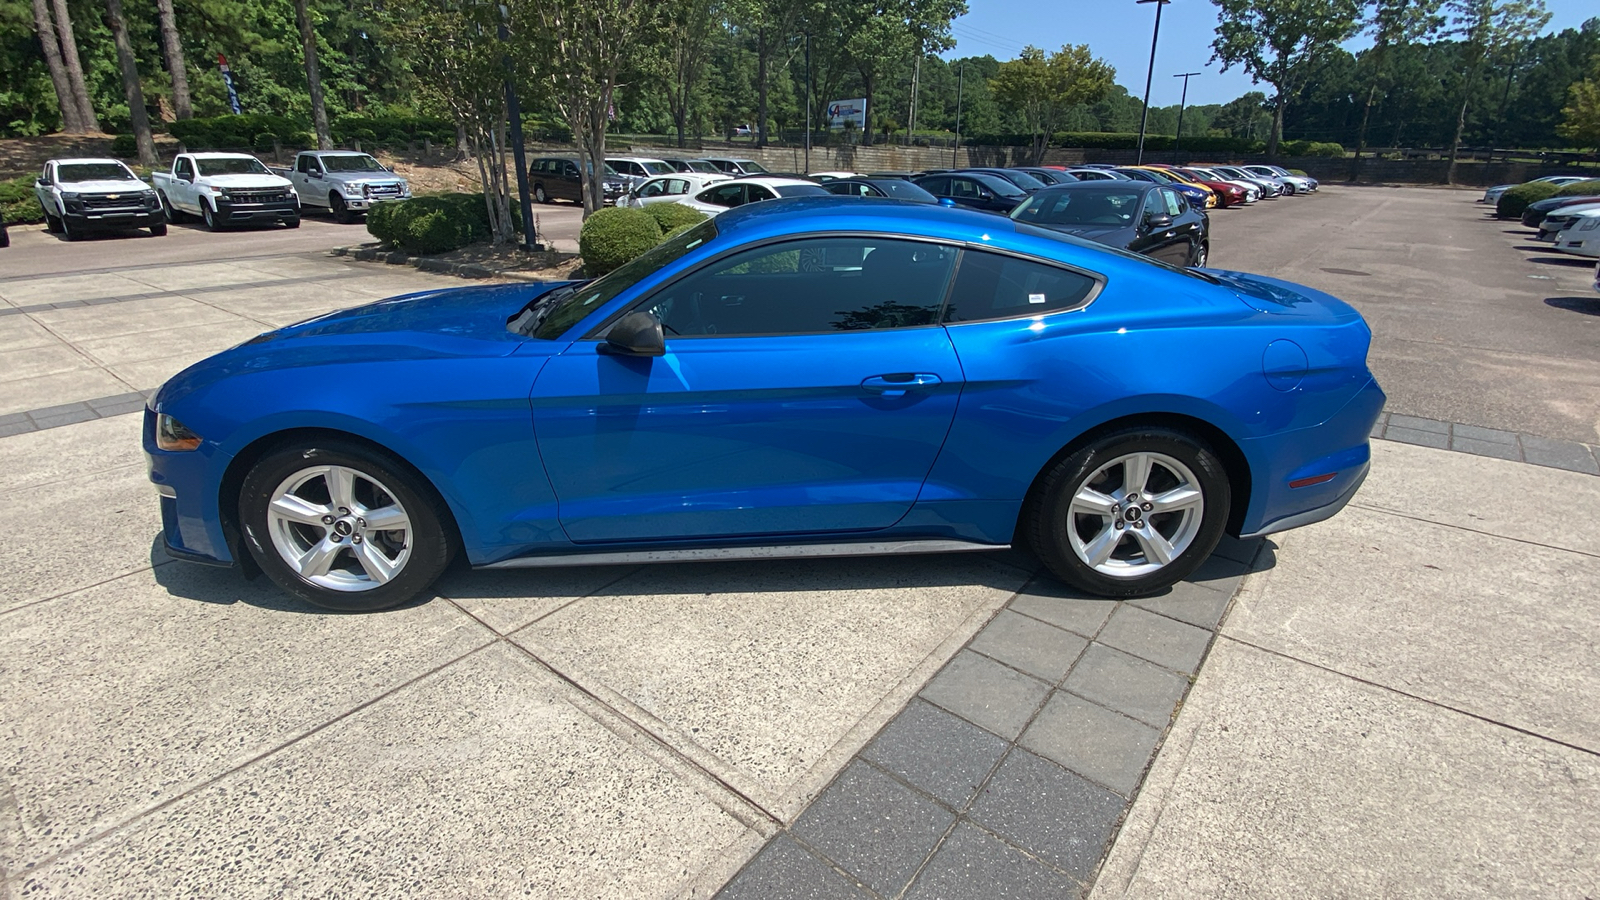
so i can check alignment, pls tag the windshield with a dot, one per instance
(568, 307)
(657, 168)
(231, 166)
(904, 190)
(1115, 208)
(93, 172)
(1161, 177)
(751, 166)
(799, 190)
(696, 165)
(1023, 180)
(362, 163)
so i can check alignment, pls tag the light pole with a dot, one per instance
(1144, 114)
(1179, 136)
(961, 74)
(808, 103)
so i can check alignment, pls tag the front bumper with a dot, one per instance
(364, 202)
(187, 486)
(233, 211)
(111, 219)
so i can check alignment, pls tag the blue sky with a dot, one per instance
(1118, 31)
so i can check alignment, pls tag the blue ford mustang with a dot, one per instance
(819, 376)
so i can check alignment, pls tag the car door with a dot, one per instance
(183, 187)
(1186, 227)
(806, 389)
(570, 184)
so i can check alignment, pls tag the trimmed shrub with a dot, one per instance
(1513, 202)
(673, 216)
(231, 132)
(17, 204)
(263, 142)
(1588, 188)
(615, 236)
(1311, 148)
(124, 146)
(413, 226)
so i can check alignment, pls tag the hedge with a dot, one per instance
(1514, 201)
(672, 216)
(1589, 188)
(260, 132)
(437, 223)
(17, 202)
(614, 236)
(392, 130)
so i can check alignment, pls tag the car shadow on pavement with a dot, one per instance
(1565, 262)
(224, 586)
(1589, 306)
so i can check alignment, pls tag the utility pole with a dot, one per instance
(1179, 136)
(1144, 114)
(911, 120)
(961, 74)
(808, 104)
(519, 154)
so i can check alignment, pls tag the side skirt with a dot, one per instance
(770, 551)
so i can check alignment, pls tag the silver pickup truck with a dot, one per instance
(344, 182)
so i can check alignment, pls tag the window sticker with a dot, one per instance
(1037, 298)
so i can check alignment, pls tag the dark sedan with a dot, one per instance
(974, 190)
(1049, 176)
(893, 188)
(1534, 215)
(1151, 219)
(1016, 176)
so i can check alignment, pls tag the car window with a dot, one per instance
(728, 195)
(185, 168)
(963, 189)
(1153, 205)
(757, 192)
(995, 286)
(752, 167)
(1174, 202)
(812, 286)
(233, 166)
(1079, 207)
(69, 173)
(653, 188)
(939, 185)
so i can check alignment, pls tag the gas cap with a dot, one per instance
(1284, 364)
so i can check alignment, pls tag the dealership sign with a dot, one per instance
(842, 111)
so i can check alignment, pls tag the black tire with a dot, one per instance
(173, 215)
(159, 229)
(5, 236)
(67, 232)
(209, 216)
(1199, 255)
(539, 195)
(52, 223)
(1048, 513)
(293, 223)
(340, 210)
(429, 538)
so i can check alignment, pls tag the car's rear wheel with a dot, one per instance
(343, 527)
(1201, 253)
(539, 194)
(1131, 513)
(173, 215)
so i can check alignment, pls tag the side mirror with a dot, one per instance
(635, 334)
(946, 201)
(314, 173)
(40, 182)
(985, 194)
(1158, 220)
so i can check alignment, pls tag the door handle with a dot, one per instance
(897, 383)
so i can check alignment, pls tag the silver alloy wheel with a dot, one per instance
(1135, 514)
(1200, 256)
(339, 528)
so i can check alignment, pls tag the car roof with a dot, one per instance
(1130, 185)
(637, 158)
(87, 159)
(769, 180)
(339, 152)
(222, 156)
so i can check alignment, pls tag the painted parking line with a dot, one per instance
(73, 413)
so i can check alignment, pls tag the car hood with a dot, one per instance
(245, 181)
(456, 322)
(1272, 295)
(110, 186)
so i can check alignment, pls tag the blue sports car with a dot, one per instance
(822, 376)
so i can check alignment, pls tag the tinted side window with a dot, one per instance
(939, 186)
(653, 189)
(729, 195)
(1153, 205)
(807, 287)
(963, 188)
(757, 192)
(993, 286)
(1173, 201)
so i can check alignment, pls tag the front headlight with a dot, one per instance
(172, 436)
(69, 195)
(222, 193)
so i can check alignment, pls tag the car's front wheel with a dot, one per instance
(1131, 513)
(209, 216)
(343, 527)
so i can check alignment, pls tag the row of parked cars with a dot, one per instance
(83, 195)
(1571, 224)
(1157, 210)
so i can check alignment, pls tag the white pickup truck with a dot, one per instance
(225, 189)
(345, 182)
(83, 195)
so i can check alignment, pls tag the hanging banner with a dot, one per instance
(842, 111)
(227, 79)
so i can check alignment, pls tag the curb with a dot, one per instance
(367, 253)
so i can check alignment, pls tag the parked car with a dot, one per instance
(1303, 184)
(903, 176)
(556, 178)
(635, 170)
(825, 177)
(226, 189)
(344, 182)
(1048, 175)
(1226, 192)
(974, 190)
(1197, 196)
(1016, 176)
(1139, 217)
(1252, 190)
(1492, 195)
(1290, 188)
(692, 165)
(1271, 188)
(738, 168)
(1536, 212)
(773, 383)
(726, 195)
(1558, 219)
(1581, 237)
(670, 188)
(1086, 173)
(83, 195)
(891, 188)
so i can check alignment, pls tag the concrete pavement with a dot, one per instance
(1402, 705)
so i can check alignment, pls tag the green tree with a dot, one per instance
(1393, 22)
(1281, 42)
(1040, 89)
(1581, 117)
(1483, 26)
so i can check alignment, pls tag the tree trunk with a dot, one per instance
(137, 117)
(1455, 145)
(308, 40)
(1276, 134)
(69, 56)
(173, 48)
(1361, 135)
(762, 54)
(71, 121)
